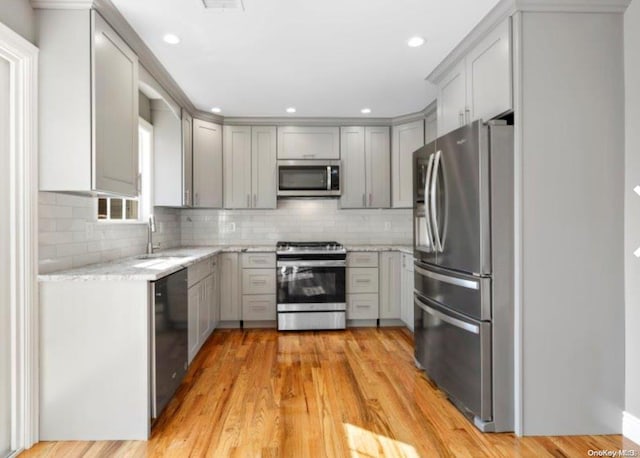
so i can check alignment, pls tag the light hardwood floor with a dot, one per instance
(326, 394)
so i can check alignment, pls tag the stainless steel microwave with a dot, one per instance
(309, 178)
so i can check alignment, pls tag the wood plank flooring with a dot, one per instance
(353, 393)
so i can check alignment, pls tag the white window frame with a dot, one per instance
(23, 257)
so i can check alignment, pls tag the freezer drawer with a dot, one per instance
(467, 294)
(455, 353)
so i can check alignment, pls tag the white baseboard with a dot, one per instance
(631, 427)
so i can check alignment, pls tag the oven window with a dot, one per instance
(304, 285)
(295, 178)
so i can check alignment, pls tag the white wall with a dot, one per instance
(70, 235)
(632, 206)
(296, 219)
(572, 130)
(18, 15)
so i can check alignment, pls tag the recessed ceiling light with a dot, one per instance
(216, 110)
(171, 39)
(365, 111)
(414, 42)
(291, 110)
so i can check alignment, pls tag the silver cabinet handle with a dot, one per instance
(448, 319)
(467, 113)
(370, 199)
(186, 197)
(469, 284)
(461, 118)
(197, 198)
(434, 209)
(364, 200)
(427, 211)
(308, 155)
(255, 200)
(248, 201)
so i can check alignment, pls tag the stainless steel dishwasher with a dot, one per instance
(169, 338)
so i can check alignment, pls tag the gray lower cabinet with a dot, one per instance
(362, 285)
(230, 294)
(406, 290)
(258, 276)
(88, 96)
(203, 303)
(366, 169)
(362, 306)
(249, 164)
(390, 285)
(207, 164)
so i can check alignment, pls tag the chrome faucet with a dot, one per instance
(151, 228)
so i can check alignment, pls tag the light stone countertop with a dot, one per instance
(166, 262)
(163, 263)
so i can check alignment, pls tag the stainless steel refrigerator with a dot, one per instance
(463, 246)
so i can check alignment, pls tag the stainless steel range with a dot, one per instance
(311, 285)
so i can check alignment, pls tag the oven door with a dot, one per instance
(308, 178)
(311, 286)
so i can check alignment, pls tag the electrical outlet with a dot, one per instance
(387, 225)
(230, 227)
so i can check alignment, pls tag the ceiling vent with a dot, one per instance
(224, 5)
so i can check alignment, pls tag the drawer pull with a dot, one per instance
(362, 306)
(363, 280)
(259, 282)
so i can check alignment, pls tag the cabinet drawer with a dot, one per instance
(258, 281)
(362, 306)
(200, 270)
(362, 280)
(259, 308)
(258, 260)
(362, 259)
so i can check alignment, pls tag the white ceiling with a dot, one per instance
(324, 57)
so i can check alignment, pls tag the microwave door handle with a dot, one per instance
(328, 178)
(427, 215)
(433, 206)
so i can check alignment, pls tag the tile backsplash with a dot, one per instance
(70, 235)
(295, 220)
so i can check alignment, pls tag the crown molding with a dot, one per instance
(507, 8)
(306, 121)
(62, 4)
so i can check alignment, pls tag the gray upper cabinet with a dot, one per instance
(480, 86)
(406, 139)
(187, 159)
(207, 164)
(366, 167)
(88, 105)
(308, 142)
(249, 162)
(237, 166)
(263, 167)
(430, 128)
(354, 186)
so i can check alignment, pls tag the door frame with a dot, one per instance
(23, 206)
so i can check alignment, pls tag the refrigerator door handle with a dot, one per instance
(469, 284)
(448, 319)
(427, 212)
(433, 206)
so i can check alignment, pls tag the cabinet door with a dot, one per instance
(194, 321)
(377, 146)
(237, 166)
(187, 159)
(362, 306)
(258, 281)
(215, 296)
(362, 280)
(452, 100)
(167, 155)
(354, 192)
(263, 167)
(407, 290)
(489, 80)
(259, 307)
(308, 142)
(229, 287)
(207, 164)
(115, 112)
(390, 286)
(430, 128)
(406, 139)
(205, 316)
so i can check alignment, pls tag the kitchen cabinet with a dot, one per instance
(362, 306)
(207, 164)
(480, 85)
(362, 280)
(249, 163)
(406, 290)
(172, 156)
(308, 142)
(88, 103)
(362, 288)
(258, 288)
(366, 167)
(230, 307)
(390, 285)
(406, 139)
(430, 128)
(202, 303)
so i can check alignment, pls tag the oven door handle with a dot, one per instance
(337, 263)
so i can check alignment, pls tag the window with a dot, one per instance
(117, 209)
